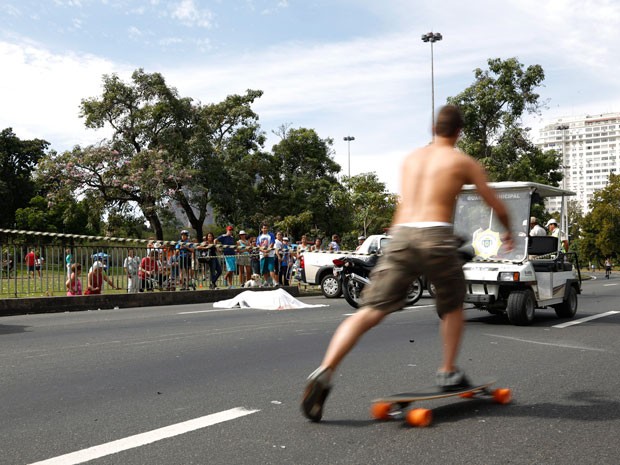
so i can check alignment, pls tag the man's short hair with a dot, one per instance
(449, 121)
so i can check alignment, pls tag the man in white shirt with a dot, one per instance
(535, 228)
(555, 231)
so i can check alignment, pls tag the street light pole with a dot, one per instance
(432, 37)
(564, 219)
(348, 140)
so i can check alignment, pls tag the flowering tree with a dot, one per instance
(146, 179)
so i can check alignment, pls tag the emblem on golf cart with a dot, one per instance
(486, 243)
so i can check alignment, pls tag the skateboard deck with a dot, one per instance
(395, 406)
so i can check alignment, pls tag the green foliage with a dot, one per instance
(372, 205)
(18, 159)
(493, 107)
(300, 177)
(600, 231)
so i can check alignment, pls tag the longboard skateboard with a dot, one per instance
(395, 406)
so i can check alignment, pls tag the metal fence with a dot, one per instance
(38, 264)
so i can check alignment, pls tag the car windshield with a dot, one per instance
(476, 223)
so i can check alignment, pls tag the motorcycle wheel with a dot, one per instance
(352, 292)
(414, 292)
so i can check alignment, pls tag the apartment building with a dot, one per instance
(589, 147)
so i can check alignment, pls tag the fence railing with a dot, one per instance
(40, 264)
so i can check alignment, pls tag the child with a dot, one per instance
(73, 284)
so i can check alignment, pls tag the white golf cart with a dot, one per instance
(535, 274)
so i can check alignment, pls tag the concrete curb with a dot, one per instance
(37, 305)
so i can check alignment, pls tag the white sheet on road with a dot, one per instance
(277, 299)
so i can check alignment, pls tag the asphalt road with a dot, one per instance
(190, 385)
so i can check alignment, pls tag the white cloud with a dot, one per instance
(43, 92)
(188, 13)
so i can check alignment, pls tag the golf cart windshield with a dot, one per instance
(476, 223)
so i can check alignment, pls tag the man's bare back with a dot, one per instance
(432, 176)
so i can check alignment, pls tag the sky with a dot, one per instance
(342, 67)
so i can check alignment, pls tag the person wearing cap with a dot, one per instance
(535, 228)
(243, 260)
(230, 254)
(184, 246)
(360, 241)
(96, 277)
(554, 230)
(284, 257)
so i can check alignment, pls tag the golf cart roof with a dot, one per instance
(541, 189)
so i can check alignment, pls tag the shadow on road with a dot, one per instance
(12, 329)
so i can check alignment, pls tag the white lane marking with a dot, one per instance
(142, 439)
(211, 311)
(404, 310)
(583, 320)
(554, 344)
(605, 285)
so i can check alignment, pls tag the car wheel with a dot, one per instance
(521, 306)
(568, 308)
(430, 287)
(331, 286)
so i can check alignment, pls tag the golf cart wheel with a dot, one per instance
(521, 306)
(414, 292)
(331, 287)
(568, 307)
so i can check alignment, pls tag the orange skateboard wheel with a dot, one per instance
(420, 417)
(502, 395)
(381, 410)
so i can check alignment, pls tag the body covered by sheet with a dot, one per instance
(277, 299)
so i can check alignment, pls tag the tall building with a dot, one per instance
(589, 147)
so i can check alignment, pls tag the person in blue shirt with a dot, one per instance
(184, 246)
(230, 254)
(284, 253)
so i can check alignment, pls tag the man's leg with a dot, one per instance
(343, 340)
(452, 326)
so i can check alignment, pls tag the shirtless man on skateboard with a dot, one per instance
(422, 241)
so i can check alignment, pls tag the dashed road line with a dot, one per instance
(149, 437)
(554, 344)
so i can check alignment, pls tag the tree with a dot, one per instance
(299, 178)
(601, 227)
(372, 205)
(117, 179)
(207, 144)
(493, 107)
(18, 159)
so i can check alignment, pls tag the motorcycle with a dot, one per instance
(355, 272)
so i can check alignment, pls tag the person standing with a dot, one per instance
(334, 245)
(30, 260)
(360, 241)
(266, 241)
(243, 261)
(554, 231)
(254, 256)
(285, 261)
(68, 261)
(422, 241)
(131, 265)
(535, 228)
(148, 271)
(184, 246)
(230, 254)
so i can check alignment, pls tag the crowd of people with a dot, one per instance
(266, 260)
